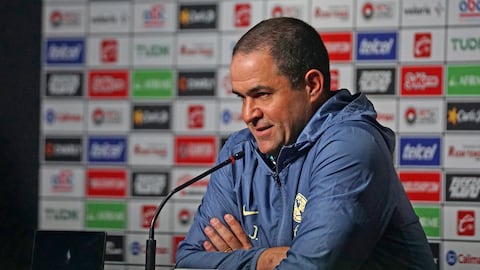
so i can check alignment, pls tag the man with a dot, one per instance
(317, 188)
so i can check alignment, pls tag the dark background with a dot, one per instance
(20, 43)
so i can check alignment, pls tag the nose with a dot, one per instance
(250, 111)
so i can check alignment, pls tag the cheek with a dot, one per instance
(243, 113)
(297, 115)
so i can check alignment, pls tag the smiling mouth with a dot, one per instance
(262, 131)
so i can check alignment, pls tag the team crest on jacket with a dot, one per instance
(299, 207)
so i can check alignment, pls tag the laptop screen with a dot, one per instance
(68, 250)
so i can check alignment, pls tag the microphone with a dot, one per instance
(151, 242)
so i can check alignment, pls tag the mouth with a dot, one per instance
(262, 131)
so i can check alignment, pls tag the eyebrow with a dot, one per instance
(252, 90)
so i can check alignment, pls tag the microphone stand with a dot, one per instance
(151, 242)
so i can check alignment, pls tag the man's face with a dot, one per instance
(273, 111)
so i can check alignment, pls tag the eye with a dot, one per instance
(239, 96)
(262, 94)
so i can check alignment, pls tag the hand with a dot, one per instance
(271, 257)
(225, 238)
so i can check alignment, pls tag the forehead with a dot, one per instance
(255, 72)
(245, 66)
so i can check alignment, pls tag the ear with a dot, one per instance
(314, 84)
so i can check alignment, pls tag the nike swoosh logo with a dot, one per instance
(248, 213)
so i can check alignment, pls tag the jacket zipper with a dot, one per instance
(277, 178)
(283, 217)
(274, 169)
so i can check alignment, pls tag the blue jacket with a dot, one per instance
(334, 198)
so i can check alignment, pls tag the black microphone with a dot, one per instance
(151, 242)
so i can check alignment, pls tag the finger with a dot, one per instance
(237, 230)
(215, 239)
(227, 236)
(208, 246)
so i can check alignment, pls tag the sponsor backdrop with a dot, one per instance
(136, 100)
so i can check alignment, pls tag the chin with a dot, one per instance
(264, 151)
(267, 151)
(266, 147)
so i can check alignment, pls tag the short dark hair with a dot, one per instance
(295, 46)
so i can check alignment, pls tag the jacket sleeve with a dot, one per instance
(218, 200)
(348, 203)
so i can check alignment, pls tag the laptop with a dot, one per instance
(68, 250)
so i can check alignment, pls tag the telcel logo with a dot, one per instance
(420, 151)
(107, 149)
(65, 51)
(377, 46)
